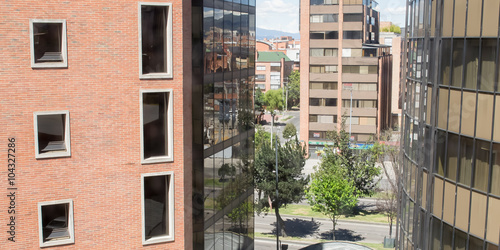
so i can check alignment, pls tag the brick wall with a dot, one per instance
(100, 88)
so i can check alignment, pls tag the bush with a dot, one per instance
(290, 131)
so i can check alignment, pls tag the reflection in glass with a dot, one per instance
(482, 165)
(155, 206)
(471, 63)
(495, 172)
(55, 222)
(466, 152)
(154, 38)
(155, 134)
(51, 131)
(488, 54)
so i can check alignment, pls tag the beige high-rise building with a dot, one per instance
(450, 190)
(342, 60)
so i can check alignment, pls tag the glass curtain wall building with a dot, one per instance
(450, 194)
(223, 116)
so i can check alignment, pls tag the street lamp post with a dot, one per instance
(350, 117)
(272, 125)
(348, 86)
(277, 199)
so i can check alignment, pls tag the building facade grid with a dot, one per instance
(451, 172)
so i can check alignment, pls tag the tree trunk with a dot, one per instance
(282, 231)
(333, 232)
(390, 229)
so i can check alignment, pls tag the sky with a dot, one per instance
(283, 15)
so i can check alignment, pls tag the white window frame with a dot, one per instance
(260, 67)
(171, 211)
(67, 135)
(169, 62)
(170, 120)
(64, 42)
(71, 228)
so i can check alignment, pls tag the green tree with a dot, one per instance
(393, 28)
(232, 191)
(294, 88)
(390, 159)
(226, 170)
(259, 104)
(261, 136)
(273, 100)
(292, 183)
(331, 195)
(289, 131)
(259, 100)
(357, 166)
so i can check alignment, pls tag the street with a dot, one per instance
(279, 125)
(304, 227)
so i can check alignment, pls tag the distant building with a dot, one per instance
(341, 55)
(394, 40)
(272, 70)
(286, 44)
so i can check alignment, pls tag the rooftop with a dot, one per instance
(272, 56)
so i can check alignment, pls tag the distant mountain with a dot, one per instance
(269, 34)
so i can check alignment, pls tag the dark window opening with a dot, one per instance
(154, 39)
(353, 35)
(314, 101)
(51, 132)
(313, 118)
(154, 108)
(156, 206)
(55, 222)
(331, 102)
(353, 17)
(324, 35)
(47, 42)
(369, 52)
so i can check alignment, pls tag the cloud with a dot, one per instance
(274, 7)
(280, 15)
(395, 10)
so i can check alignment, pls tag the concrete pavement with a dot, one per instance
(321, 229)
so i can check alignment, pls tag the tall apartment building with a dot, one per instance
(104, 126)
(450, 187)
(341, 55)
(394, 40)
(272, 70)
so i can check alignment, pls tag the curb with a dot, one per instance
(304, 243)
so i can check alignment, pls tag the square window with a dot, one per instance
(157, 207)
(55, 223)
(52, 135)
(156, 126)
(155, 40)
(48, 43)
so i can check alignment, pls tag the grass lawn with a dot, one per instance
(376, 195)
(305, 210)
(287, 118)
(215, 182)
(376, 246)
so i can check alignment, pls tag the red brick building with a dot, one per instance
(83, 95)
